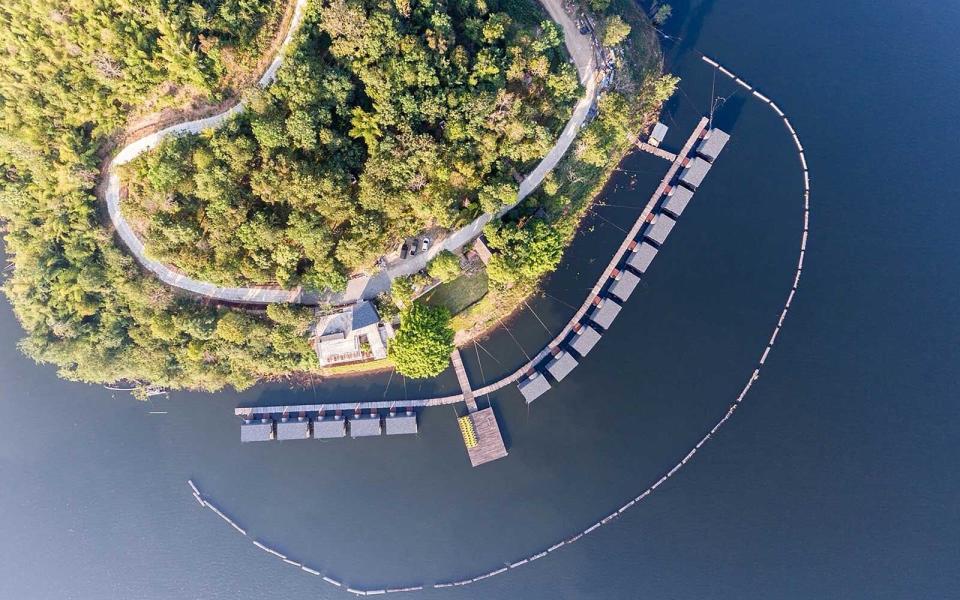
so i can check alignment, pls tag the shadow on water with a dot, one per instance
(728, 113)
(685, 26)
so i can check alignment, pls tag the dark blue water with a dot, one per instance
(836, 479)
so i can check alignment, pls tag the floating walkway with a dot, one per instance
(754, 376)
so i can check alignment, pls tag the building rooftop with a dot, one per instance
(533, 387)
(677, 200)
(624, 285)
(364, 315)
(329, 427)
(658, 133)
(711, 146)
(584, 340)
(340, 336)
(365, 425)
(293, 428)
(400, 423)
(642, 256)
(604, 314)
(694, 172)
(256, 430)
(561, 365)
(660, 229)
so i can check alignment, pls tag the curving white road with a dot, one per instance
(578, 45)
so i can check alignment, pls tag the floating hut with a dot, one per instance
(605, 312)
(256, 430)
(561, 365)
(694, 172)
(660, 228)
(657, 135)
(642, 256)
(677, 201)
(624, 285)
(533, 387)
(584, 340)
(296, 428)
(395, 424)
(329, 427)
(713, 143)
(365, 425)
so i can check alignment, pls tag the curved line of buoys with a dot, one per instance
(689, 456)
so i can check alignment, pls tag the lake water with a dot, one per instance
(836, 479)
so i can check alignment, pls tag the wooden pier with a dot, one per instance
(489, 443)
(658, 152)
(461, 372)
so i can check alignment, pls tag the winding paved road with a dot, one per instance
(578, 45)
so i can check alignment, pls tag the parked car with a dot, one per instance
(403, 251)
(425, 244)
(413, 248)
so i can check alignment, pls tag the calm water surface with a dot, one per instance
(837, 479)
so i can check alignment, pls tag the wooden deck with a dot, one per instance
(658, 152)
(489, 445)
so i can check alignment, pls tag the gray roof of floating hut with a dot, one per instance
(694, 172)
(533, 387)
(293, 428)
(660, 228)
(329, 427)
(677, 200)
(585, 339)
(561, 365)
(624, 285)
(256, 430)
(658, 133)
(604, 314)
(642, 256)
(400, 423)
(711, 146)
(365, 425)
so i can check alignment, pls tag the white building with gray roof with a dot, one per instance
(533, 387)
(660, 228)
(643, 254)
(293, 428)
(604, 313)
(712, 144)
(677, 200)
(561, 365)
(365, 426)
(351, 334)
(326, 427)
(624, 285)
(584, 339)
(693, 174)
(398, 424)
(256, 430)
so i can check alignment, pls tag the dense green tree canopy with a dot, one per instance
(386, 119)
(445, 266)
(424, 341)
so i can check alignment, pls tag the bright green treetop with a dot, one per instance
(423, 342)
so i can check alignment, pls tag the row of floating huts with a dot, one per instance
(267, 427)
(626, 277)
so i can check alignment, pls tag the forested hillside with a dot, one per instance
(388, 118)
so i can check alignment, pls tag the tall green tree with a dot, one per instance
(423, 342)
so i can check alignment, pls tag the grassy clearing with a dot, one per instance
(459, 294)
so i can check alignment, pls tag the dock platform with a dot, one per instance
(488, 445)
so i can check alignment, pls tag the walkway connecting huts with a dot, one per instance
(561, 365)
(394, 424)
(533, 387)
(694, 172)
(643, 254)
(256, 430)
(293, 428)
(327, 427)
(623, 285)
(584, 339)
